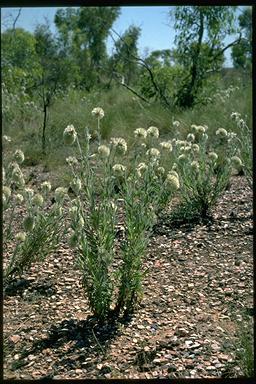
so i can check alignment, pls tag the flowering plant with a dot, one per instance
(39, 232)
(142, 187)
(204, 173)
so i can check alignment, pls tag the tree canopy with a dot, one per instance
(200, 34)
(242, 52)
(77, 54)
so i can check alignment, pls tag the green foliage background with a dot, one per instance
(50, 81)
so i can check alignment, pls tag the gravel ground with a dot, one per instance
(198, 286)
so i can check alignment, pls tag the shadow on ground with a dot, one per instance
(17, 286)
(79, 344)
(168, 225)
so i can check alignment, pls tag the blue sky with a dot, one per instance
(157, 31)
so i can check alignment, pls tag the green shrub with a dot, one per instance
(204, 172)
(244, 138)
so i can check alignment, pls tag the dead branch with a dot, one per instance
(16, 19)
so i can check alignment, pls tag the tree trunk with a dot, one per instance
(187, 94)
(44, 127)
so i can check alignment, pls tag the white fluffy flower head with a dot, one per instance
(37, 200)
(153, 153)
(235, 115)
(46, 186)
(98, 112)
(119, 169)
(69, 135)
(76, 185)
(190, 137)
(7, 139)
(103, 151)
(7, 192)
(140, 133)
(174, 173)
(176, 124)
(20, 236)
(166, 145)
(160, 171)
(172, 182)
(18, 198)
(60, 193)
(213, 156)
(119, 144)
(153, 132)
(195, 165)
(200, 129)
(141, 169)
(236, 162)
(71, 160)
(28, 193)
(182, 157)
(195, 147)
(19, 156)
(221, 132)
(17, 175)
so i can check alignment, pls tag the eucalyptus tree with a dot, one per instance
(126, 48)
(54, 72)
(200, 35)
(242, 52)
(19, 60)
(82, 36)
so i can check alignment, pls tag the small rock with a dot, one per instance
(194, 346)
(223, 357)
(210, 368)
(31, 363)
(181, 332)
(14, 338)
(188, 343)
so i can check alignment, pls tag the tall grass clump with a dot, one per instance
(42, 226)
(107, 184)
